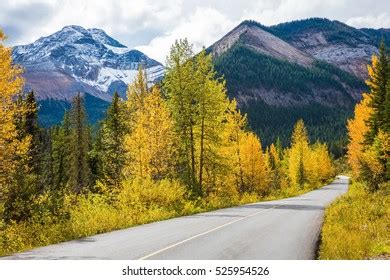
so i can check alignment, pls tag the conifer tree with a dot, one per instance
(31, 128)
(79, 170)
(253, 165)
(61, 153)
(236, 124)
(109, 144)
(136, 93)
(274, 166)
(378, 82)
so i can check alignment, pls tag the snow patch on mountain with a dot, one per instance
(90, 57)
(117, 50)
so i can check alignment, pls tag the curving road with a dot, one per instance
(281, 229)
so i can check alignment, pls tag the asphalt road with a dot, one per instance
(280, 229)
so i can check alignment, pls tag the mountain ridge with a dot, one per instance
(78, 59)
(275, 90)
(312, 69)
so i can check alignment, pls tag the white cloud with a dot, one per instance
(273, 12)
(120, 18)
(152, 25)
(202, 28)
(378, 21)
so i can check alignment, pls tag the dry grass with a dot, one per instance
(357, 226)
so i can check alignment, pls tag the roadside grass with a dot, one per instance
(357, 225)
(139, 202)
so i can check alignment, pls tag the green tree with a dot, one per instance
(31, 128)
(180, 89)
(199, 106)
(378, 82)
(109, 144)
(61, 153)
(79, 171)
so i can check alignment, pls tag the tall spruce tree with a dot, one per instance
(79, 171)
(109, 144)
(379, 84)
(32, 129)
(61, 152)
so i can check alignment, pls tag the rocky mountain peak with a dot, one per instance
(255, 36)
(79, 59)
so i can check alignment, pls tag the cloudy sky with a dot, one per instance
(152, 26)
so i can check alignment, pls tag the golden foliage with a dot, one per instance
(12, 148)
(150, 145)
(357, 225)
(308, 165)
(254, 175)
(357, 128)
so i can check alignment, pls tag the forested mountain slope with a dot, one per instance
(277, 78)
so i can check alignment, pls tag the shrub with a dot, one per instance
(357, 225)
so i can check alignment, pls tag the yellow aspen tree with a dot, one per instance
(357, 129)
(298, 154)
(12, 148)
(253, 165)
(318, 164)
(234, 134)
(136, 93)
(150, 145)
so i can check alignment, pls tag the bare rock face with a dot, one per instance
(262, 42)
(350, 58)
(353, 60)
(86, 60)
(334, 42)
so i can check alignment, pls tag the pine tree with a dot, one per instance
(274, 166)
(279, 148)
(109, 144)
(378, 82)
(31, 128)
(79, 172)
(61, 153)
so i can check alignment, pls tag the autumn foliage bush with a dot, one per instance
(357, 225)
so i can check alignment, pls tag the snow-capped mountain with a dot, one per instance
(78, 59)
